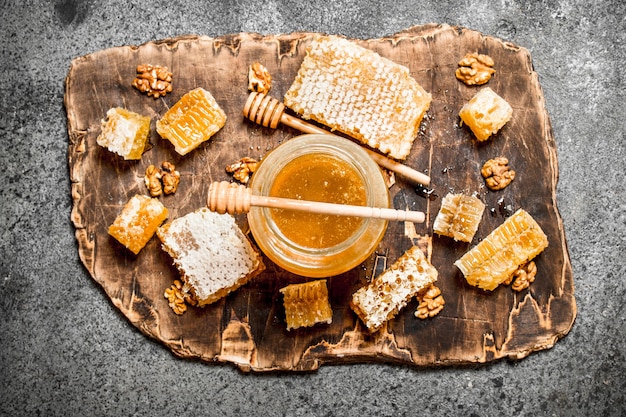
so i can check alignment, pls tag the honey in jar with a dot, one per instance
(317, 177)
(318, 168)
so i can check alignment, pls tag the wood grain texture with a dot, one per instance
(247, 328)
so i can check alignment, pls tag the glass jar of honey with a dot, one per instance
(318, 168)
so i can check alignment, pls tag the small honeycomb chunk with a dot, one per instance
(512, 244)
(486, 113)
(306, 304)
(192, 120)
(138, 221)
(459, 217)
(124, 133)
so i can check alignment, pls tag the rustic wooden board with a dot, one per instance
(247, 328)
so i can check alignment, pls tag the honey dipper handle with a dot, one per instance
(338, 209)
(230, 198)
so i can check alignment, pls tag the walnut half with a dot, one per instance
(497, 173)
(259, 78)
(475, 69)
(524, 276)
(431, 302)
(243, 169)
(152, 180)
(178, 295)
(170, 177)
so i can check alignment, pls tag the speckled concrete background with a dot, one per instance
(64, 348)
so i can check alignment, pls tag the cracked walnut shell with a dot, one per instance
(475, 69)
(153, 79)
(497, 173)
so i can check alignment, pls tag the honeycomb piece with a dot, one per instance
(389, 292)
(138, 221)
(459, 217)
(211, 252)
(192, 120)
(486, 113)
(306, 304)
(515, 242)
(124, 133)
(356, 91)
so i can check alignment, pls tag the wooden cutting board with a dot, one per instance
(247, 328)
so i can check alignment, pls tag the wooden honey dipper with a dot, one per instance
(269, 112)
(226, 197)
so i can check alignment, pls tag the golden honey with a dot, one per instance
(318, 177)
(318, 168)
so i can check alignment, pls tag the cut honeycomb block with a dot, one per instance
(389, 292)
(306, 304)
(459, 217)
(138, 221)
(211, 252)
(124, 133)
(486, 113)
(358, 92)
(515, 242)
(192, 120)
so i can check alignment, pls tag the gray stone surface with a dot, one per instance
(64, 348)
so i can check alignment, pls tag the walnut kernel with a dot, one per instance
(178, 295)
(164, 180)
(431, 302)
(152, 180)
(170, 177)
(475, 69)
(259, 78)
(497, 173)
(153, 79)
(243, 169)
(524, 276)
